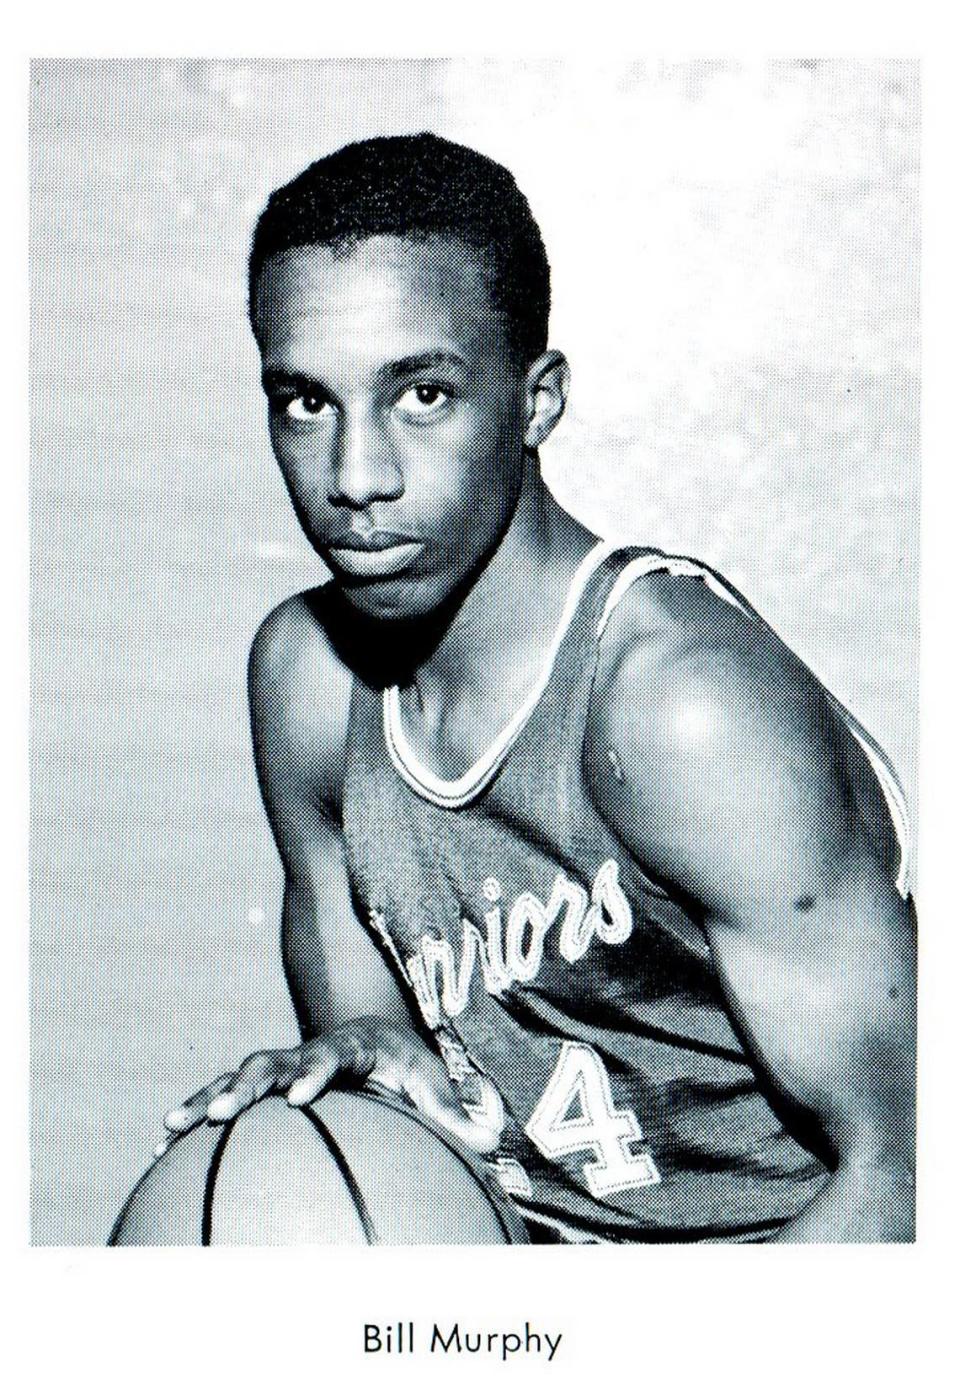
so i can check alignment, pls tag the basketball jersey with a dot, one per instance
(576, 995)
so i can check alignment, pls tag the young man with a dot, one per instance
(579, 857)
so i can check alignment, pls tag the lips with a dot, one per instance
(374, 556)
(372, 540)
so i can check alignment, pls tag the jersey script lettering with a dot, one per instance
(442, 983)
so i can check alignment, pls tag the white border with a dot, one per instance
(863, 1315)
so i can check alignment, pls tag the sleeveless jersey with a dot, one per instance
(576, 995)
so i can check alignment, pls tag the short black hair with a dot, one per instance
(418, 186)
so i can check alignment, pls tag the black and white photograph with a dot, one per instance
(474, 651)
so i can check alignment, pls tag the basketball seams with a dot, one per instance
(227, 1186)
(485, 1185)
(216, 1158)
(346, 1172)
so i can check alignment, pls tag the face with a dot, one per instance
(396, 414)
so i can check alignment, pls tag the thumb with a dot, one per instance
(477, 1125)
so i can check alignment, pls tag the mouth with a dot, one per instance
(373, 556)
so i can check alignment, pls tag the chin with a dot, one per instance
(393, 601)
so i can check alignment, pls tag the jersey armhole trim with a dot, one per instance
(655, 561)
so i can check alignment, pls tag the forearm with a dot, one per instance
(862, 1203)
(830, 1020)
(334, 970)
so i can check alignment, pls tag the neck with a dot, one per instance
(514, 604)
(502, 624)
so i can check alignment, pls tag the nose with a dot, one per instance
(365, 466)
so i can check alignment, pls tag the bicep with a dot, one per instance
(738, 792)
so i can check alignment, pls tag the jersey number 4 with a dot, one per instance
(576, 1112)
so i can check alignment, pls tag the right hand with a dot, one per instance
(364, 1049)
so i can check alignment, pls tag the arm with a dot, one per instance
(354, 1022)
(334, 970)
(744, 794)
(299, 706)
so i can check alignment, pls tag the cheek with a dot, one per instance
(302, 464)
(484, 445)
(299, 449)
(471, 475)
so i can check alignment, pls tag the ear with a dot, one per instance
(547, 385)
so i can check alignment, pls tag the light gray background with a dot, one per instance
(735, 263)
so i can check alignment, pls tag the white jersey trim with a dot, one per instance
(453, 793)
(657, 562)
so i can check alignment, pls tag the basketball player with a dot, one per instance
(579, 857)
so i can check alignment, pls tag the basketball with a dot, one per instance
(352, 1168)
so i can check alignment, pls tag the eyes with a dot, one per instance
(421, 401)
(308, 406)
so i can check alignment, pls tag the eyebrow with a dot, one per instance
(422, 361)
(275, 377)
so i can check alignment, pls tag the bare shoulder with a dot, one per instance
(692, 664)
(300, 702)
(713, 749)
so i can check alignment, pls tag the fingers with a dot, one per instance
(399, 1062)
(191, 1113)
(477, 1129)
(352, 1050)
(193, 1110)
(365, 1049)
(320, 1061)
(261, 1074)
(306, 1088)
(231, 1093)
(486, 1117)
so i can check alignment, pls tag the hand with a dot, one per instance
(364, 1049)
